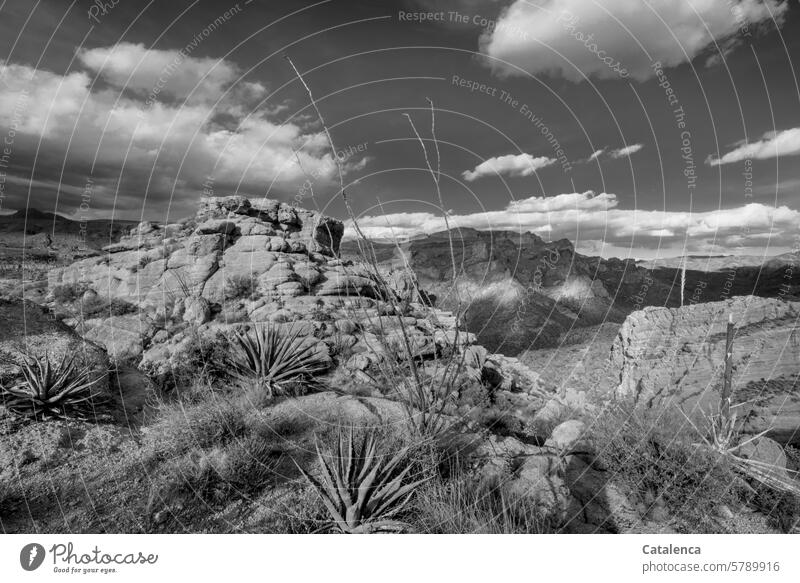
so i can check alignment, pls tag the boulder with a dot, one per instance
(568, 436)
(768, 455)
(196, 310)
(123, 337)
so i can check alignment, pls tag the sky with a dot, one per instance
(633, 128)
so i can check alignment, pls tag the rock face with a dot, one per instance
(675, 357)
(28, 330)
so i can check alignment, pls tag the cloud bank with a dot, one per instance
(617, 38)
(593, 220)
(144, 129)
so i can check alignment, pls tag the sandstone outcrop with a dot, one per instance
(674, 357)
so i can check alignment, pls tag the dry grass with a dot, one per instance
(663, 457)
(462, 505)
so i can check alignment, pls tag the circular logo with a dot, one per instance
(31, 556)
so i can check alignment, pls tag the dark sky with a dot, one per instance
(77, 98)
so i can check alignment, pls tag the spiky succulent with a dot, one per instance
(274, 358)
(47, 390)
(361, 489)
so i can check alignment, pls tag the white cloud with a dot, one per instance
(617, 153)
(771, 145)
(574, 38)
(172, 72)
(180, 143)
(596, 154)
(593, 221)
(626, 151)
(509, 165)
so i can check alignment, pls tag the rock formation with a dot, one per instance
(240, 262)
(668, 357)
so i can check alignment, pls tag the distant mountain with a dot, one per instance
(720, 262)
(521, 292)
(45, 233)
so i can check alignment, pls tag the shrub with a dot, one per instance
(361, 489)
(240, 286)
(463, 505)
(69, 292)
(111, 308)
(180, 427)
(274, 360)
(657, 458)
(203, 358)
(219, 474)
(47, 390)
(341, 346)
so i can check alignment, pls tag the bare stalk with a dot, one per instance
(727, 380)
(683, 277)
(436, 177)
(361, 238)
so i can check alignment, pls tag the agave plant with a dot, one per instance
(361, 489)
(46, 390)
(273, 358)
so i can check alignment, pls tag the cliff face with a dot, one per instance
(674, 357)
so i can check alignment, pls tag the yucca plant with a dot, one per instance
(361, 489)
(273, 358)
(48, 390)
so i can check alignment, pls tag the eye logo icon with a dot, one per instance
(31, 556)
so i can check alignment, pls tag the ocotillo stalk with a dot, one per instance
(683, 277)
(727, 380)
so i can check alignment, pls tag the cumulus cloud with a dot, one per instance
(152, 150)
(139, 69)
(771, 145)
(626, 151)
(594, 220)
(509, 165)
(617, 153)
(617, 38)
